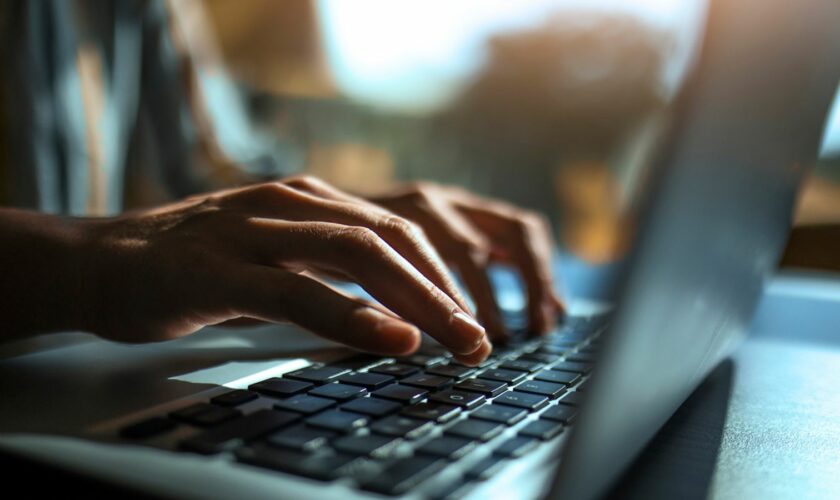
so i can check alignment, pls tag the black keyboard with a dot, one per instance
(386, 425)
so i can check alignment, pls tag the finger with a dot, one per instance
(275, 295)
(478, 356)
(524, 241)
(362, 255)
(403, 236)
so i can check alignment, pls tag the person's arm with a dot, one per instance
(252, 252)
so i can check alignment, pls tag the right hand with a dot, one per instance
(253, 252)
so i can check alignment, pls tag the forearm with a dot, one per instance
(42, 274)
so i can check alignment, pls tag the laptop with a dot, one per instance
(257, 415)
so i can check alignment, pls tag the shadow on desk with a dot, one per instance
(680, 460)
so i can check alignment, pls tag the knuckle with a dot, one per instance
(304, 181)
(359, 238)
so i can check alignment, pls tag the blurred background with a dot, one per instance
(555, 105)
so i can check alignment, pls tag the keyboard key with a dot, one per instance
(516, 447)
(423, 360)
(234, 398)
(370, 381)
(489, 388)
(358, 361)
(402, 393)
(560, 413)
(486, 468)
(540, 356)
(338, 421)
(556, 350)
(432, 411)
(369, 446)
(338, 391)
(549, 389)
(522, 365)
(502, 375)
(429, 382)
(573, 367)
(398, 426)
(405, 475)
(507, 415)
(531, 402)
(581, 357)
(397, 370)
(305, 404)
(557, 377)
(317, 375)
(301, 438)
(372, 406)
(205, 414)
(231, 434)
(451, 370)
(448, 447)
(319, 466)
(463, 399)
(476, 429)
(542, 429)
(280, 388)
(148, 428)
(572, 398)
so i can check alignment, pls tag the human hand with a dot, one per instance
(254, 252)
(470, 232)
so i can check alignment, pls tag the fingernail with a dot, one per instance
(466, 326)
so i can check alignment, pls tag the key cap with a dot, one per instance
(372, 406)
(560, 413)
(423, 360)
(216, 416)
(321, 466)
(463, 399)
(502, 375)
(231, 434)
(399, 426)
(338, 421)
(541, 429)
(572, 398)
(338, 391)
(522, 365)
(234, 398)
(516, 447)
(205, 414)
(489, 388)
(448, 447)
(451, 370)
(404, 475)
(480, 430)
(317, 375)
(402, 393)
(397, 370)
(540, 357)
(301, 438)
(580, 357)
(280, 388)
(147, 428)
(486, 468)
(557, 377)
(358, 362)
(530, 402)
(573, 367)
(555, 350)
(428, 382)
(507, 415)
(548, 389)
(370, 381)
(369, 446)
(305, 404)
(432, 411)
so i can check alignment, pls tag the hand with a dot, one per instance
(470, 232)
(254, 252)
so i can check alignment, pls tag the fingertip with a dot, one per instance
(398, 338)
(479, 355)
(470, 334)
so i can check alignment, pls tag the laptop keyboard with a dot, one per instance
(386, 425)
